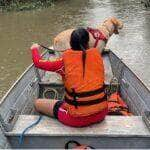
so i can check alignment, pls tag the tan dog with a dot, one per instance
(107, 28)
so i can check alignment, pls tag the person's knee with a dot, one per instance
(37, 104)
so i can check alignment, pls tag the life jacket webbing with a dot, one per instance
(85, 103)
(113, 101)
(97, 35)
(119, 111)
(119, 108)
(87, 93)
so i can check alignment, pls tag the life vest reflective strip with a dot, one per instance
(82, 93)
(97, 35)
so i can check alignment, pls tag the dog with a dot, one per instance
(109, 27)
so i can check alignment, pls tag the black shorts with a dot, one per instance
(56, 108)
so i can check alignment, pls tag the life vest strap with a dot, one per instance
(86, 94)
(85, 103)
(119, 108)
(113, 101)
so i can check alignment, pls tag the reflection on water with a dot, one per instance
(19, 29)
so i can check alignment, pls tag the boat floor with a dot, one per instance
(126, 131)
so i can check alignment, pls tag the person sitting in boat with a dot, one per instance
(85, 101)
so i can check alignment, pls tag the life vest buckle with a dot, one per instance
(75, 103)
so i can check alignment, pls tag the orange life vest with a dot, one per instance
(116, 106)
(84, 95)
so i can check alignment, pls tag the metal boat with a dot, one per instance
(17, 112)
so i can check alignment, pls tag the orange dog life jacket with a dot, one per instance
(84, 94)
(116, 106)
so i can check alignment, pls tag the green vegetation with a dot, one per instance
(20, 5)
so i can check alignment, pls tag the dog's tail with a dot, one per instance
(58, 44)
(55, 41)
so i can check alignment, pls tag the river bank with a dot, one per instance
(22, 5)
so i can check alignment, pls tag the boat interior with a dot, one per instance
(17, 112)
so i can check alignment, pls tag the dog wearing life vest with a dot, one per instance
(97, 37)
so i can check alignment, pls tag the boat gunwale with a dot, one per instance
(87, 135)
(121, 59)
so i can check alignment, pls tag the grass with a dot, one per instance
(21, 5)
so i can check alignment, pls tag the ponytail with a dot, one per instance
(79, 41)
(83, 59)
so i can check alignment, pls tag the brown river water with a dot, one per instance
(18, 30)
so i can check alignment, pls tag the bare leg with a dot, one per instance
(45, 106)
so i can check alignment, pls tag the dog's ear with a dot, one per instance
(114, 20)
(117, 22)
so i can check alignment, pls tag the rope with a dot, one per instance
(56, 96)
(51, 90)
(21, 138)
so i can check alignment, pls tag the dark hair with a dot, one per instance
(79, 41)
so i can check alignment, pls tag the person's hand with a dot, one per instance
(35, 46)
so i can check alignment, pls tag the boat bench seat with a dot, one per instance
(117, 129)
